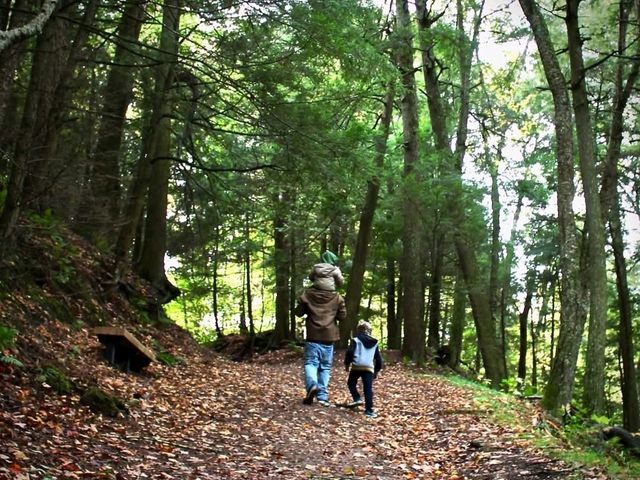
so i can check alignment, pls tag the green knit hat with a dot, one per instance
(329, 257)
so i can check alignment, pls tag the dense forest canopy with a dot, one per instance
(474, 164)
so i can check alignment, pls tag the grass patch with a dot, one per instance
(579, 443)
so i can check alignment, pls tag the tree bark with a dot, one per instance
(596, 271)
(282, 263)
(458, 320)
(151, 265)
(249, 289)
(523, 323)
(356, 276)
(394, 327)
(559, 390)
(47, 185)
(478, 294)
(33, 27)
(629, 381)
(435, 292)
(494, 268)
(609, 199)
(214, 289)
(10, 60)
(414, 332)
(103, 209)
(35, 110)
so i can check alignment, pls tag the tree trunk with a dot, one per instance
(104, 199)
(151, 266)
(132, 219)
(215, 290)
(478, 294)
(292, 284)
(458, 320)
(165, 75)
(609, 198)
(249, 290)
(559, 389)
(10, 60)
(629, 381)
(356, 276)
(495, 260)
(523, 322)
(596, 270)
(282, 264)
(394, 327)
(35, 110)
(435, 291)
(413, 341)
(55, 184)
(33, 27)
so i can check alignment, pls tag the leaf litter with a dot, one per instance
(212, 418)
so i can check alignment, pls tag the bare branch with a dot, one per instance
(9, 37)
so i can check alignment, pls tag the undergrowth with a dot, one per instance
(578, 441)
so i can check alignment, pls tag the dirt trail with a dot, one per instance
(216, 419)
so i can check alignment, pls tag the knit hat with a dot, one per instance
(364, 327)
(329, 257)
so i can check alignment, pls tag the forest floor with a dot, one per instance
(212, 418)
(208, 417)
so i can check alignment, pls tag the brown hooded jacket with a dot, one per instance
(323, 310)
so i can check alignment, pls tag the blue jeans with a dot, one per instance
(318, 359)
(367, 384)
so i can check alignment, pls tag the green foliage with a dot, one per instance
(580, 440)
(56, 379)
(102, 402)
(168, 359)
(7, 337)
(10, 360)
(46, 219)
(164, 356)
(61, 254)
(74, 351)
(7, 342)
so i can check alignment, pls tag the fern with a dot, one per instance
(9, 360)
(7, 337)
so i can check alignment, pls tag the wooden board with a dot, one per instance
(104, 333)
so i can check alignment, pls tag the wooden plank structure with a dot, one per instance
(124, 350)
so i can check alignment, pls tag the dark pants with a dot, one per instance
(367, 384)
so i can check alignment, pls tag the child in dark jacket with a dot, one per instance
(363, 356)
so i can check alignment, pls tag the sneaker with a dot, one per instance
(370, 414)
(355, 403)
(325, 403)
(311, 394)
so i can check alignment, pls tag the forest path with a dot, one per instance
(212, 418)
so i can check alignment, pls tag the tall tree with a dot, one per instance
(282, 265)
(10, 59)
(413, 300)
(151, 265)
(559, 390)
(478, 294)
(610, 200)
(103, 207)
(48, 54)
(596, 271)
(356, 276)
